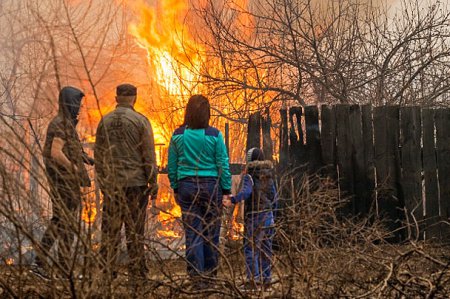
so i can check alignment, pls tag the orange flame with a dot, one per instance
(168, 234)
(173, 213)
(237, 228)
(9, 261)
(89, 138)
(89, 211)
(168, 218)
(175, 60)
(172, 52)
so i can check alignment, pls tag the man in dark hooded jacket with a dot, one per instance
(64, 160)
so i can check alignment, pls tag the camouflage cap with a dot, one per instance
(126, 90)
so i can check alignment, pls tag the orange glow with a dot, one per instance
(89, 138)
(9, 261)
(172, 52)
(169, 217)
(173, 213)
(89, 211)
(168, 234)
(175, 61)
(237, 228)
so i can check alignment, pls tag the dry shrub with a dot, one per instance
(324, 254)
(318, 254)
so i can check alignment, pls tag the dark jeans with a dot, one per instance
(66, 199)
(125, 206)
(200, 200)
(258, 236)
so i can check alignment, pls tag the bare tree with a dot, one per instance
(261, 54)
(317, 52)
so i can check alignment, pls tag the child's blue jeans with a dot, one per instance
(258, 236)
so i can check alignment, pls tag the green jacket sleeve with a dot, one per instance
(223, 165)
(172, 165)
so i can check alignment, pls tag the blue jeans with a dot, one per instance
(200, 200)
(258, 236)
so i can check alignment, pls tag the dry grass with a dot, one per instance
(319, 255)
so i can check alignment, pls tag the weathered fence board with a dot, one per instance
(328, 140)
(386, 160)
(344, 156)
(412, 166)
(254, 129)
(313, 139)
(297, 150)
(284, 139)
(430, 175)
(266, 123)
(442, 117)
(367, 132)
(386, 129)
(359, 171)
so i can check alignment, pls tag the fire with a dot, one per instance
(178, 55)
(9, 261)
(168, 234)
(89, 211)
(172, 52)
(89, 139)
(168, 217)
(175, 60)
(173, 213)
(237, 228)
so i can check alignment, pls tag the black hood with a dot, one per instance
(70, 103)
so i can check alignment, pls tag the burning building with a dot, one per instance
(175, 59)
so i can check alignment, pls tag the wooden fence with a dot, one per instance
(389, 160)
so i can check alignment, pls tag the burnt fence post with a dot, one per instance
(313, 146)
(387, 163)
(411, 180)
(328, 141)
(267, 144)
(442, 119)
(254, 131)
(429, 161)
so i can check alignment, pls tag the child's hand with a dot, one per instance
(226, 201)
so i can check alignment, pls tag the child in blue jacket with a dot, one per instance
(259, 195)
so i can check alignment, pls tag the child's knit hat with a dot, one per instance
(254, 154)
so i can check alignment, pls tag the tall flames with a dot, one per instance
(175, 61)
(173, 55)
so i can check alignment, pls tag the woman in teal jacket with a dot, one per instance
(200, 176)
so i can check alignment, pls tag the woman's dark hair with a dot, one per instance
(197, 112)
